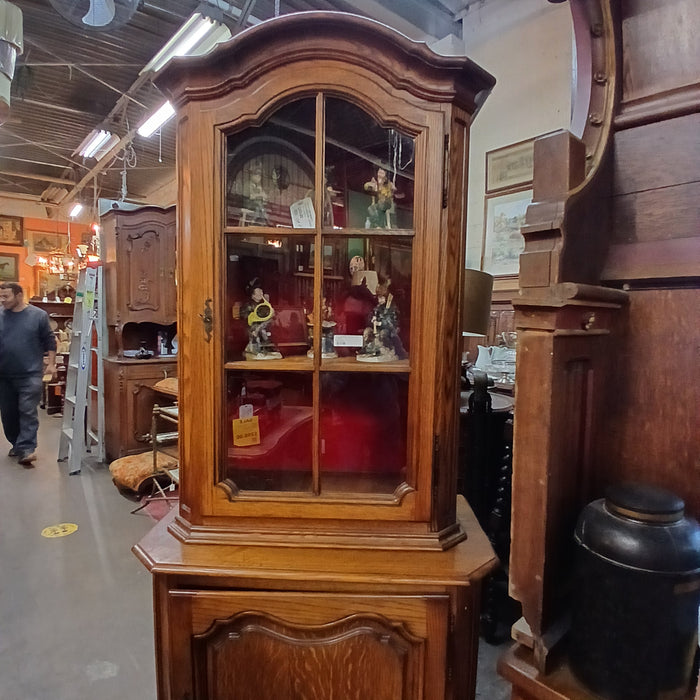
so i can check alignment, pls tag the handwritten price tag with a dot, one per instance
(246, 431)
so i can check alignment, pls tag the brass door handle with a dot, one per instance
(207, 319)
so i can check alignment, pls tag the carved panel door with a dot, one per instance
(144, 260)
(287, 646)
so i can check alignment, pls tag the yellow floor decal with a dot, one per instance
(60, 530)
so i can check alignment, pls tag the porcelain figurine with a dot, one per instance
(381, 341)
(258, 312)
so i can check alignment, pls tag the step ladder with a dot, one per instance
(83, 409)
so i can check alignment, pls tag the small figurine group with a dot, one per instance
(383, 192)
(328, 325)
(381, 340)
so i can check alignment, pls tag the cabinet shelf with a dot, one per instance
(326, 276)
(286, 364)
(263, 231)
(350, 364)
(306, 364)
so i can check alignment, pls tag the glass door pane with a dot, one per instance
(270, 170)
(269, 431)
(269, 293)
(363, 432)
(369, 171)
(367, 290)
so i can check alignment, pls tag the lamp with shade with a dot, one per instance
(476, 302)
(476, 314)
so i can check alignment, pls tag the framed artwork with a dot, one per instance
(510, 167)
(9, 267)
(503, 242)
(11, 230)
(43, 242)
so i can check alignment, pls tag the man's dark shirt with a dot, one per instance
(24, 338)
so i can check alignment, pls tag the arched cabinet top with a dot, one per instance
(309, 37)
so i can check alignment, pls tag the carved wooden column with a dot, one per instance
(564, 330)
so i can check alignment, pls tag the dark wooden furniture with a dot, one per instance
(609, 287)
(139, 264)
(59, 311)
(485, 478)
(129, 400)
(318, 550)
(140, 291)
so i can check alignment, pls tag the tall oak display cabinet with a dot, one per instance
(319, 550)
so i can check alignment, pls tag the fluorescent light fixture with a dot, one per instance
(96, 144)
(156, 120)
(77, 208)
(198, 35)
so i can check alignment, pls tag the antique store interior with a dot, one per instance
(509, 245)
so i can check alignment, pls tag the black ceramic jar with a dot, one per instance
(636, 591)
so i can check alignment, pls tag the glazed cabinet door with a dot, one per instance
(318, 301)
(321, 246)
(286, 646)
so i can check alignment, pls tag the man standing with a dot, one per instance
(25, 336)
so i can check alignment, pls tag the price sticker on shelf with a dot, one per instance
(246, 431)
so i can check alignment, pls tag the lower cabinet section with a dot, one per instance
(129, 402)
(260, 646)
(249, 622)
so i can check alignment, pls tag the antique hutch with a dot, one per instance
(139, 260)
(319, 549)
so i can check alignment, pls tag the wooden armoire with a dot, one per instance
(608, 384)
(319, 550)
(139, 262)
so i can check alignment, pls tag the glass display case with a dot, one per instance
(318, 338)
(321, 249)
(319, 549)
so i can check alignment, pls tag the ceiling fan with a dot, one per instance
(96, 15)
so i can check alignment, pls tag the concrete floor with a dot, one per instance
(75, 611)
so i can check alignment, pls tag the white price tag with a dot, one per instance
(347, 341)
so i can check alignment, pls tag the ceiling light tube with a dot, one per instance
(190, 39)
(107, 146)
(93, 142)
(156, 120)
(77, 208)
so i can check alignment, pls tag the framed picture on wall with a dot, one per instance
(9, 267)
(11, 230)
(510, 167)
(42, 242)
(503, 242)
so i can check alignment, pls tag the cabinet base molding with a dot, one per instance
(279, 534)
